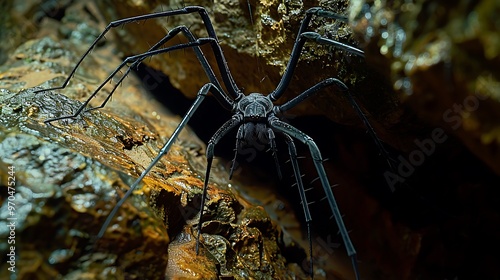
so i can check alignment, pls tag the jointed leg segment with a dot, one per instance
(299, 44)
(318, 163)
(292, 151)
(227, 78)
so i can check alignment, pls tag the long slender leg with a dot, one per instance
(221, 61)
(225, 102)
(299, 44)
(140, 57)
(283, 127)
(223, 130)
(200, 97)
(296, 171)
(329, 82)
(327, 14)
(321, 85)
(322, 40)
(310, 92)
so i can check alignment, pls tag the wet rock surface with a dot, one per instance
(65, 186)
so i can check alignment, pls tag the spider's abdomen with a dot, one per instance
(255, 107)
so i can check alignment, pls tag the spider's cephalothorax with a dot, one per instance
(255, 115)
(254, 110)
(254, 107)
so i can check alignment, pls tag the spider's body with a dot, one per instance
(254, 110)
(255, 115)
(255, 107)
